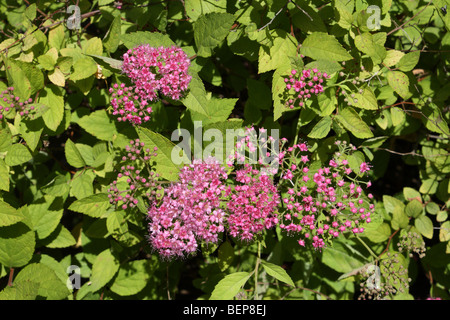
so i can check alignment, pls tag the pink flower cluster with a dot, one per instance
(128, 106)
(300, 86)
(152, 71)
(131, 180)
(190, 210)
(252, 204)
(322, 204)
(10, 101)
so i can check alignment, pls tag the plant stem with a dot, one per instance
(11, 275)
(367, 247)
(258, 260)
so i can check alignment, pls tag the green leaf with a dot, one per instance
(366, 100)
(321, 129)
(284, 46)
(225, 256)
(399, 218)
(50, 286)
(60, 238)
(4, 176)
(228, 287)
(99, 125)
(277, 272)
(351, 120)
(81, 186)
(73, 155)
(340, 259)
(408, 61)
(17, 155)
(321, 46)
(9, 215)
(22, 290)
(380, 234)
(94, 205)
(164, 164)
(204, 107)
(153, 39)
(112, 38)
(414, 208)
(113, 63)
(17, 244)
(31, 130)
(104, 269)
(210, 30)
(52, 97)
(196, 8)
(425, 226)
(43, 220)
(399, 82)
(18, 79)
(366, 44)
(83, 69)
(444, 233)
(132, 277)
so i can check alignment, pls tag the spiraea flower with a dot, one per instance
(323, 203)
(153, 73)
(252, 204)
(157, 70)
(302, 85)
(9, 101)
(190, 212)
(136, 178)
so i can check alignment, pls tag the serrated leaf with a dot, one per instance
(112, 39)
(94, 205)
(408, 61)
(9, 215)
(99, 125)
(83, 69)
(321, 129)
(228, 287)
(399, 82)
(104, 269)
(52, 97)
(164, 164)
(132, 277)
(277, 272)
(153, 39)
(73, 155)
(225, 256)
(351, 120)
(321, 46)
(17, 243)
(4, 176)
(17, 155)
(283, 47)
(50, 286)
(210, 30)
(60, 238)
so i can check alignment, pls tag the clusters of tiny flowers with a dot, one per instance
(412, 242)
(128, 106)
(392, 279)
(133, 182)
(190, 211)
(153, 70)
(302, 85)
(10, 101)
(321, 204)
(253, 204)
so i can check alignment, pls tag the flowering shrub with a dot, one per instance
(224, 150)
